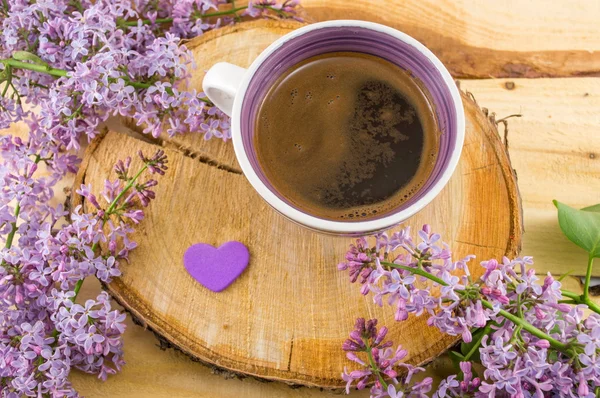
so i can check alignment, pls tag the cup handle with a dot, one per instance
(221, 83)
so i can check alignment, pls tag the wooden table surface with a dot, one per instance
(554, 147)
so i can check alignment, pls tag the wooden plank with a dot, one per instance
(555, 149)
(498, 25)
(481, 39)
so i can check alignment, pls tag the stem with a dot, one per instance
(10, 62)
(417, 271)
(581, 299)
(571, 295)
(517, 331)
(122, 193)
(592, 306)
(529, 327)
(516, 335)
(108, 212)
(39, 85)
(233, 10)
(34, 67)
(170, 20)
(76, 113)
(588, 277)
(573, 302)
(77, 5)
(514, 319)
(226, 12)
(474, 349)
(77, 288)
(147, 21)
(8, 81)
(373, 365)
(13, 230)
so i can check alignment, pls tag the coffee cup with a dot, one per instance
(239, 93)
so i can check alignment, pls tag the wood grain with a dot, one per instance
(152, 372)
(477, 39)
(555, 149)
(295, 338)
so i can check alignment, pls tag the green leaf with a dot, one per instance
(27, 56)
(582, 227)
(456, 358)
(594, 208)
(563, 276)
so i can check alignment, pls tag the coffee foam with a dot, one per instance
(314, 158)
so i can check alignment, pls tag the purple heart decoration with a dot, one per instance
(215, 268)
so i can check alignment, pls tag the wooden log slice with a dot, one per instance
(287, 315)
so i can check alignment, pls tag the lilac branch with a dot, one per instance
(11, 235)
(514, 319)
(231, 11)
(372, 363)
(11, 63)
(109, 212)
(529, 340)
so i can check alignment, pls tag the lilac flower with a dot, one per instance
(531, 344)
(10, 112)
(89, 339)
(210, 129)
(124, 94)
(380, 361)
(44, 332)
(398, 284)
(448, 387)
(157, 163)
(116, 59)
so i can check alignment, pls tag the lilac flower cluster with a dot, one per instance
(81, 61)
(381, 364)
(529, 339)
(76, 63)
(397, 285)
(452, 387)
(48, 252)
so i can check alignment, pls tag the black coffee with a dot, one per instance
(346, 136)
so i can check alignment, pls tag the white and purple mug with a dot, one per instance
(239, 93)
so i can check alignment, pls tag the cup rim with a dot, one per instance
(346, 227)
